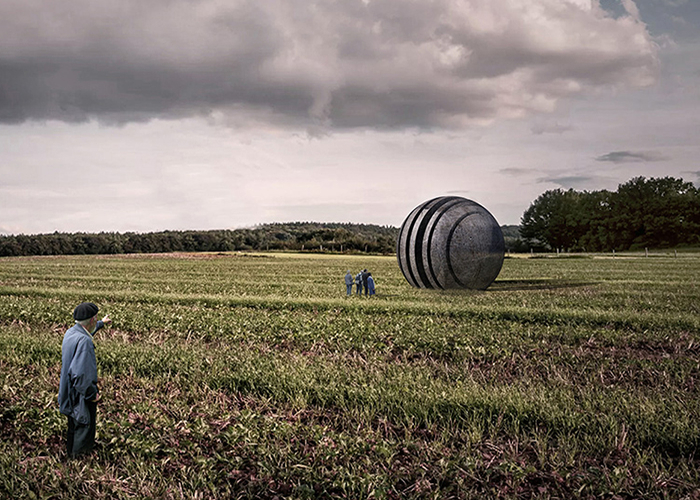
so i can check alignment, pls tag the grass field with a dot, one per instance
(254, 376)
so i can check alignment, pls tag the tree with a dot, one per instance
(663, 212)
(655, 212)
(554, 218)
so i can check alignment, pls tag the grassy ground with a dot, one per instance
(255, 376)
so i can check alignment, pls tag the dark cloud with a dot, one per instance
(515, 172)
(349, 63)
(570, 182)
(631, 156)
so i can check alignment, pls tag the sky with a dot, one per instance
(220, 114)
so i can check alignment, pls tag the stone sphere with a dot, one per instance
(450, 242)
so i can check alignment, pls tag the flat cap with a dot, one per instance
(84, 311)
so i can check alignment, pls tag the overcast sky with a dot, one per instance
(214, 114)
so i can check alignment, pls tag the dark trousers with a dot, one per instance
(81, 437)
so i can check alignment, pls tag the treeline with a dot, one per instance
(293, 236)
(642, 213)
(651, 213)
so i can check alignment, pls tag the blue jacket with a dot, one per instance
(78, 373)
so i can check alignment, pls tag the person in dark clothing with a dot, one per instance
(365, 274)
(78, 393)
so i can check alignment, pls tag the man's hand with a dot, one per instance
(107, 320)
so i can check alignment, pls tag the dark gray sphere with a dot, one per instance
(450, 242)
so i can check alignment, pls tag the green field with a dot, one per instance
(254, 376)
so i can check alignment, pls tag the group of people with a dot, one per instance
(363, 281)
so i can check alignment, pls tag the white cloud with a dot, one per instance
(631, 9)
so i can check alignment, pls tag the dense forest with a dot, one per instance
(299, 236)
(642, 213)
(652, 213)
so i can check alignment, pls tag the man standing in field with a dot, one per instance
(370, 284)
(348, 282)
(78, 393)
(364, 275)
(358, 282)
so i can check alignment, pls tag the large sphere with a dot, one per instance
(450, 242)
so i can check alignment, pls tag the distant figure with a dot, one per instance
(370, 284)
(365, 274)
(358, 282)
(348, 282)
(78, 393)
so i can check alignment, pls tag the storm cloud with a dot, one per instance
(381, 64)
